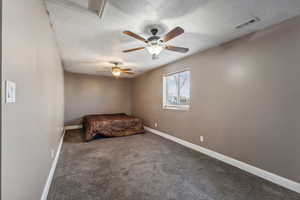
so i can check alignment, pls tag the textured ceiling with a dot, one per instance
(88, 43)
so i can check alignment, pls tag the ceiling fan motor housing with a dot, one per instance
(154, 31)
(116, 63)
(153, 38)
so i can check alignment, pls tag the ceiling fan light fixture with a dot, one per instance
(155, 48)
(116, 72)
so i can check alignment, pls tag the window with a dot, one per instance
(176, 91)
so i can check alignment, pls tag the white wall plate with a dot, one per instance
(10, 92)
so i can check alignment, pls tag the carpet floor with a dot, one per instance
(148, 167)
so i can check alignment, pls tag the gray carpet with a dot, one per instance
(148, 167)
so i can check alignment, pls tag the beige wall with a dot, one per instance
(245, 99)
(32, 126)
(91, 94)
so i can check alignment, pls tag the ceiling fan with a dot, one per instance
(117, 71)
(155, 44)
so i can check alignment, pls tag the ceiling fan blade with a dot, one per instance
(131, 34)
(135, 49)
(131, 73)
(173, 33)
(177, 49)
(126, 70)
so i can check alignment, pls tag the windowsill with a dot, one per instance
(180, 108)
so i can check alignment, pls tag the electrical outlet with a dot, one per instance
(52, 153)
(155, 124)
(201, 138)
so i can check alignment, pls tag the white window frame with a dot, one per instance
(174, 107)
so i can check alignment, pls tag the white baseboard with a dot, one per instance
(71, 127)
(284, 182)
(52, 170)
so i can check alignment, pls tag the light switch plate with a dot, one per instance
(10, 92)
(201, 139)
